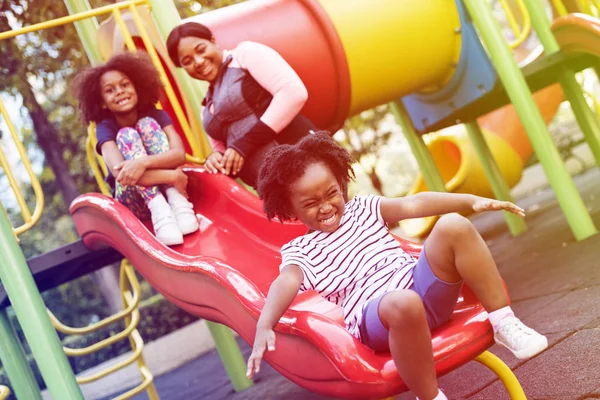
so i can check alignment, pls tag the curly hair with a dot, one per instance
(136, 66)
(286, 163)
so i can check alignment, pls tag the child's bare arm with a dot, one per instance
(281, 294)
(132, 170)
(426, 204)
(112, 157)
(170, 159)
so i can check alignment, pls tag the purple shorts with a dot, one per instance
(439, 298)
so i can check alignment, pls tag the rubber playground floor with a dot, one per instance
(554, 283)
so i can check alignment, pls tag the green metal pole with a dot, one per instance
(516, 224)
(15, 362)
(86, 28)
(230, 353)
(569, 199)
(430, 172)
(31, 313)
(166, 17)
(585, 116)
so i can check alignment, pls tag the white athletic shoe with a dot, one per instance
(163, 221)
(521, 340)
(183, 211)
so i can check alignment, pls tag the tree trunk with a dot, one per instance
(375, 181)
(47, 138)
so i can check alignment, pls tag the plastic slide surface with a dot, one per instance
(223, 272)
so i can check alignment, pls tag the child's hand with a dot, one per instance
(482, 204)
(232, 162)
(130, 171)
(180, 181)
(264, 340)
(214, 163)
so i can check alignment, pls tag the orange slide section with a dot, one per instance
(457, 161)
(506, 137)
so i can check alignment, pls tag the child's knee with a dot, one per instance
(126, 136)
(147, 124)
(454, 225)
(402, 307)
(154, 138)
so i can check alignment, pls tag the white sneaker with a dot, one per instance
(163, 221)
(183, 211)
(521, 340)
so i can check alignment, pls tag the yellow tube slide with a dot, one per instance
(395, 47)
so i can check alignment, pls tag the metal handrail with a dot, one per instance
(560, 8)
(590, 7)
(595, 102)
(130, 293)
(70, 18)
(521, 33)
(135, 285)
(29, 218)
(174, 101)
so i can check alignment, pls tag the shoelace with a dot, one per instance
(515, 330)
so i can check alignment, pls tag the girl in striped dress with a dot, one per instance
(390, 300)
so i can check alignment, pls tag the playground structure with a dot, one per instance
(343, 86)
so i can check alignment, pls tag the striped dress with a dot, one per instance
(357, 262)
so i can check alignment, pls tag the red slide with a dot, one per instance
(223, 272)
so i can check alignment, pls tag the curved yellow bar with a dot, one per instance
(115, 34)
(521, 33)
(29, 219)
(395, 47)
(508, 378)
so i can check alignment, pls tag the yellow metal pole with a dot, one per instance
(68, 19)
(166, 18)
(86, 29)
(30, 219)
(126, 35)
(192, 140)
(508, 378)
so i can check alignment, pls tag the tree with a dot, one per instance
(363, 137)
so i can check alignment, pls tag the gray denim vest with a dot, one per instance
(236, 100)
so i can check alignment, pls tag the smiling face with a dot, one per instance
(200, 58)
(118, 93)
(316, 198)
